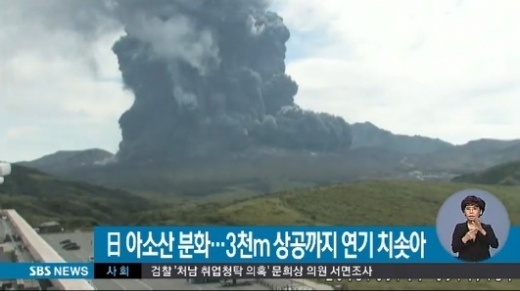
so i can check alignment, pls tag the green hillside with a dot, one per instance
(262, 170)
(504, 174)
(251, 174)
(66, 160)
(367, 135)
(40, 197)
(363, 203)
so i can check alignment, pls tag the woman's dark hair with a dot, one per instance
(473, 201)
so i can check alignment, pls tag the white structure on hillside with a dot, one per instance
(5, 169)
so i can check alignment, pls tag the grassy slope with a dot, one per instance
(364, 203)
(504, 174)
(257, 173)
(40, 197)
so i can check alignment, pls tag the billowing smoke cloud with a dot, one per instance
(208, 78)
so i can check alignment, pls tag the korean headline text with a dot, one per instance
(258, 244)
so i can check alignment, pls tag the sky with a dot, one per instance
(443, 69)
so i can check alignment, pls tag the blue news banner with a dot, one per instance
(272, 252)
(368, 252)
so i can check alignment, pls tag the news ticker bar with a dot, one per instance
(40, 271)
(306, 271)
(420, 280)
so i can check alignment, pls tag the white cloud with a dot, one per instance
(445, 69)
(20, 133)
(51, 97)
(438, 68)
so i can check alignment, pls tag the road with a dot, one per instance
(3, 231)
(83, 239)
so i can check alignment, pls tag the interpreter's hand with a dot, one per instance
(470, 235)
(479, 226)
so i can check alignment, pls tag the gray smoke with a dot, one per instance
(208, 78)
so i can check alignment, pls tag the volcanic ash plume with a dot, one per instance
(208, 76)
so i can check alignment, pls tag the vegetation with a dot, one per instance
(254, 173)
(40, 197)
(61, 161)
(363, 203)
(376, 154)
(471, 157)
(47, 197)
(504, 174)
(368, 135)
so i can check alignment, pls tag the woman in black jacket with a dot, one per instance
(472, 239)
